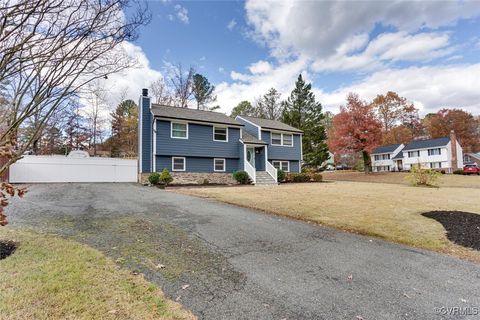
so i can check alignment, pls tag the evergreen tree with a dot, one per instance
(124, 128)
(244, 108)
(203, 91)
(303, 112)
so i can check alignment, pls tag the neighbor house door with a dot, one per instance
(251, 156)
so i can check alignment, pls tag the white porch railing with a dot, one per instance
(251, 171)
(271, 170)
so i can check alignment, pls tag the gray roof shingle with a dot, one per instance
(192, 114)
(429, 143)
(399, 155)
(386, 148)
(271, 124)
(248, 138)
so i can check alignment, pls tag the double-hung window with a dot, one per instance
(377, 157)
(282, 139)
(179, 130)
(434, 152)
(412, 154)
(178, 164)
(220, 134)
(219, 165)
(281, 165)
(276, 139)
(435, 165)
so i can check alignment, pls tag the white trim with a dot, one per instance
(281, 139)
(184, 163)
(224, 165)
(140, 140)
(280, 166)
(154, 155)
(266, 156)
(301, 150)
(178, 122)
(206, 123)
(219, 127)
(254, 165)
(253, 124)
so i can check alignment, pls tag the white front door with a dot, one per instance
(251, 156)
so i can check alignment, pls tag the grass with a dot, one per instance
(391, 212)
(447, 180)
(49, 277)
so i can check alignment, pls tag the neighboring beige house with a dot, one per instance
(441, 154)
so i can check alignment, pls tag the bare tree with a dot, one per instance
(160, 92)
(182, 84)
(96, 103)
(49, 50)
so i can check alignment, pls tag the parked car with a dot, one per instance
(342, 167)
(471, 169)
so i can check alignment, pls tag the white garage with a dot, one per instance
(44, 169)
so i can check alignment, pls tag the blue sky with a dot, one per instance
(426, 51)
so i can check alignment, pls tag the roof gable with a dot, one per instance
(388, 148)
(429, 143)
(271, 124)
(192, 114)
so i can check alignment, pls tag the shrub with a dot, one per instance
(458, 171)
(166, 177)
(300, 177)
(316, 177)
(359, 166)
(154, 178)
(423, 177)
(281, 175)
(241, 177)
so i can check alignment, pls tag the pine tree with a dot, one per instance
(203, 91)
(303, 112)
(124, 128)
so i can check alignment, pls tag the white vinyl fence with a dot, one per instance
(33, 169)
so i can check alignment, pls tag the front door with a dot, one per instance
(251, 156)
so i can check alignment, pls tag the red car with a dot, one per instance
(471, 169)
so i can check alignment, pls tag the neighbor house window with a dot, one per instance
(412, 154)
(219, 165)
(179, 130)
(386, 156)
(435, 165)
(434, 152)
(377, 157)
(178, 164)
(282, 165)
(220, 134)
(277, 139)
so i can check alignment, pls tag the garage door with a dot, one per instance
(38, 169)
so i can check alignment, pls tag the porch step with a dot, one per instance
(263, 179)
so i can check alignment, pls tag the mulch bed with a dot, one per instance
(6, 248)
(463, 228)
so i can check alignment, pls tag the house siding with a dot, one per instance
(146, 134)
(250, 128)
(199, 143)
(283, 152)
(196, 164)
(260, 159)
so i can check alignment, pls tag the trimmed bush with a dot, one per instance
(154, 178)
(281, 175)
(316, 177)
(166, 177)
(300, 177)
(241, 177)
(458, 171)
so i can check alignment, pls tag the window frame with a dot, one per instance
(281, 165)
(178, 122)
(226, 133)
(282, 143)
(417, 152)
(184, 164)
(434, 149)
(215, 165)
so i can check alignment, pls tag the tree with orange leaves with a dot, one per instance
(465, 125)
(355, 129)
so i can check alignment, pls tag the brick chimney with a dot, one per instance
(453, 143)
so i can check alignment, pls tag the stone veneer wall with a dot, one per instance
(196, 178)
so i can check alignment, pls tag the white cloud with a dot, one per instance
(260, 67)
(231, 24)
(430, 87)
(182, 14)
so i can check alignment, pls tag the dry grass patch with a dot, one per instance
(446, 180)
(53, 278)
(389, 211)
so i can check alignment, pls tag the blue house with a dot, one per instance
(204, 146)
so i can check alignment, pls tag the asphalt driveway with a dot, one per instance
(225, 262)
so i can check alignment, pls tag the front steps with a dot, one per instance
(264, 179)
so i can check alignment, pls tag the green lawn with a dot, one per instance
(49, 277)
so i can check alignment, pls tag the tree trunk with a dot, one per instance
(366, 162)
